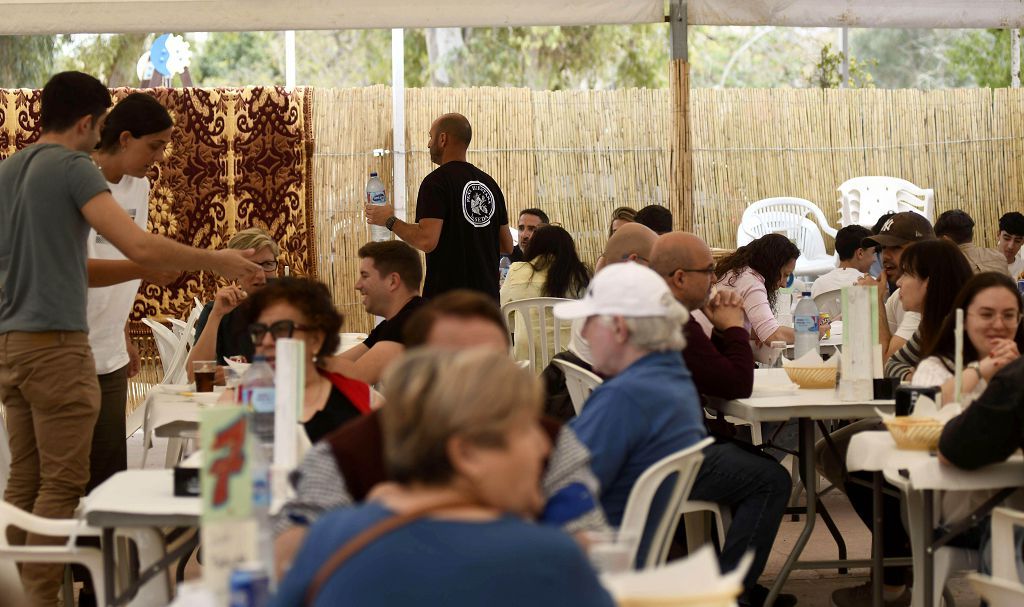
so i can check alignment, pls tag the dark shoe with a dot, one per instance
(857, 596)
(755, 597)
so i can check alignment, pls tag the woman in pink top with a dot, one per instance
(757, 271)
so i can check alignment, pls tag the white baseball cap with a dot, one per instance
(624, 289)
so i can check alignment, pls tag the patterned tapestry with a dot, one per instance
(238, 158)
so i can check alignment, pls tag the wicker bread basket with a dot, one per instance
(813, 377)
(915, 433)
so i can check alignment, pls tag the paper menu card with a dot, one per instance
(697, 575)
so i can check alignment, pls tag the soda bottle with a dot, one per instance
(375, 194)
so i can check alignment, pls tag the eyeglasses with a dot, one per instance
(268, 266)
(709, 271)
(1010, 319)
(277, 330)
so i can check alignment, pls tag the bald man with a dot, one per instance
(631, 242)
(461, 218)
(754, 487)
(718, 346)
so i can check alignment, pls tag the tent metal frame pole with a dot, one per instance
(678, 29)
(398, 121)
(1015, 58)
(289, 59)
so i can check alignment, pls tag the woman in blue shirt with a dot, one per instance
(464, 448)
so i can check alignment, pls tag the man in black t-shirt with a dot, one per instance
(389, 280)
(461, 218)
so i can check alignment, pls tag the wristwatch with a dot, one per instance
(976, 365)
(389, 223)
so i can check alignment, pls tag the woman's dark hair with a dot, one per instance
(552, 248)
(767, 256)
(944, 266)
(139, 114)
(311, 297)
(943, 342)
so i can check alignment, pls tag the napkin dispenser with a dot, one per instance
(186, 482)
(862, 354)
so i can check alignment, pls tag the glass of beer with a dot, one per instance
(205, 372)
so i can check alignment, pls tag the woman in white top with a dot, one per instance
(992, 337)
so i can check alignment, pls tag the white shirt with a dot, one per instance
(109, 307)
(901, 323)
(830, 286)
(1017, 267)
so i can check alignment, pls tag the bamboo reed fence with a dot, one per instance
(580, 154)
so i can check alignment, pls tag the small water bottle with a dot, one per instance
(375, 194)
(503, 266)
(805, 327)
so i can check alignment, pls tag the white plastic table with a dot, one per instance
(139, 498)
(767, 404)
(923, 474)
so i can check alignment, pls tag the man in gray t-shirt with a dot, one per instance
(50, 195)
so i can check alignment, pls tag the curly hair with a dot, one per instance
(308, 296)
(767, 256)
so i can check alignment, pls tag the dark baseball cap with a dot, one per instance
(901, 229)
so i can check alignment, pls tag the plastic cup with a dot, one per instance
(205, 373)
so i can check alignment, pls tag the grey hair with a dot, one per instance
(659, 333)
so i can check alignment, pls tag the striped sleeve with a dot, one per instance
(902, 363)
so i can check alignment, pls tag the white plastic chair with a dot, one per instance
(1003, 588)
(543, 332)
(680, 469)
(579, 381)
(864, 199)
(789, 216)
(68, 552)
(945, 560)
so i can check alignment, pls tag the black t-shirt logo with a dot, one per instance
(477, 204)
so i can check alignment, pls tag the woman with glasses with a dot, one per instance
(221, 330)
(302, 308)
(993, 337)
(756, 272)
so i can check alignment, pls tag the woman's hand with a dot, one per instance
(227, 299)
(1003, 353)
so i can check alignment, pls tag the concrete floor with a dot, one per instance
(812, 588)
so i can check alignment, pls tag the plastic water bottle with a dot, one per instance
(375, 194)
(805, 327)
(503, 266)
(257, 393)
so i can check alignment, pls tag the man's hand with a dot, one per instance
(134, 360)
(882, 282)
(377, 214)
(725, 310)
(234, 264)
(160, 278)
(227, 299)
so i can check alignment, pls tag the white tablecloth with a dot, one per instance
(140, 493)
(766, 404)
(876, 451)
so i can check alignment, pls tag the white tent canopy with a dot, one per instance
(70, 16)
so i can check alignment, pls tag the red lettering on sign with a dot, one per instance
(232, 438)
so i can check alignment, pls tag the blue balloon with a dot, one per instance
(158, 55)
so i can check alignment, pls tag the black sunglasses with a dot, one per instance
(277, 330)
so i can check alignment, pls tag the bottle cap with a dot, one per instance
(805, 293)
(373, 174)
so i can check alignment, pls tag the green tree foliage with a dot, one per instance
(26, 61)
(828, 73)
(982, 58)
(240, 59)
(112, 58)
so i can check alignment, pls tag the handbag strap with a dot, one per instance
(365, 538)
